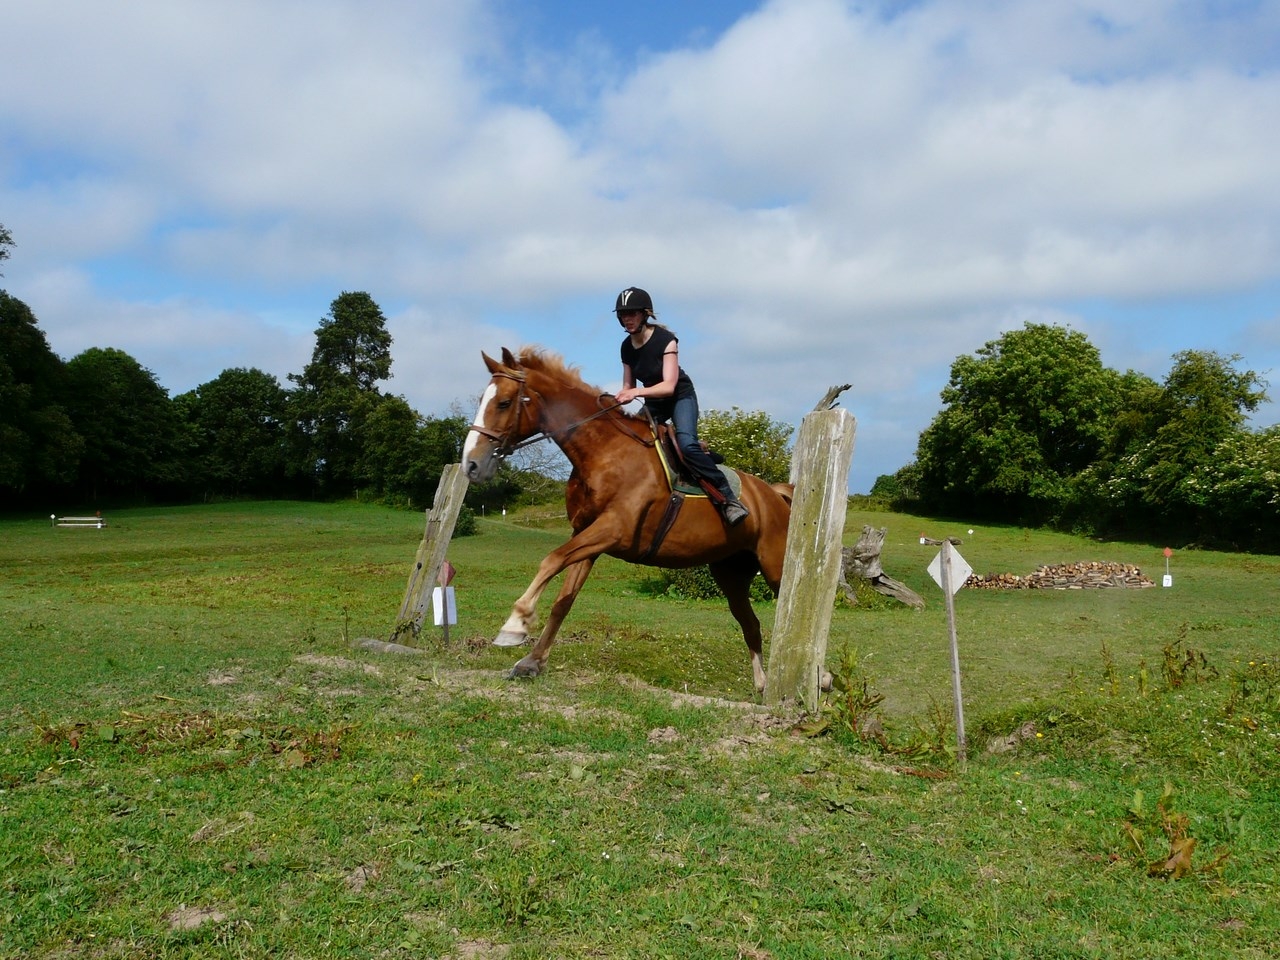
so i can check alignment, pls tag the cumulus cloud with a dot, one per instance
(823, 192)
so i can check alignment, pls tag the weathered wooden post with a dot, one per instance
(441, 519)
(820, 471)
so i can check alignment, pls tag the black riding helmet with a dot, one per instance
(633, 298)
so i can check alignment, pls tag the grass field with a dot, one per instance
(195, 759)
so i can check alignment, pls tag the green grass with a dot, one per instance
(195, 761)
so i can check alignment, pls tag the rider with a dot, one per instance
(649, 355)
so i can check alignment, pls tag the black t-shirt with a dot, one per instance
(646, 366)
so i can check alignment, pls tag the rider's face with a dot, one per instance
(631, 320)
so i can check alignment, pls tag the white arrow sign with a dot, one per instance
(960, 570)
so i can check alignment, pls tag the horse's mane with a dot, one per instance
(554, 366)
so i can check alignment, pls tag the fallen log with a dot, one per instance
(862, 562)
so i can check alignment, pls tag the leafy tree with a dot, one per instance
(749, 441)
(405, 454)
(1205, 401)
(6, 241)
(1237, 491)
(353, 346)
(1022, 417)
(238, 424)
(337, 394)
(1168, 449)
(130, 428)
(39, 444)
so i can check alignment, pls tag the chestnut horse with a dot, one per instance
(616, 499)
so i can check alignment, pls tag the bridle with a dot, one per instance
(506, 446)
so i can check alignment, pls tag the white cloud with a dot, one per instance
(826, 193)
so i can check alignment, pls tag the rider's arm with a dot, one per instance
(670, 375)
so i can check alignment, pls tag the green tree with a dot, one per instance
(238, 427)
(130, 427)
(352, 345)
(6, 241)
(337, 393)
(1170, 444)
(405, 453)
(1022, 417)
(39, 445)
(749, 441)
(1236, 492)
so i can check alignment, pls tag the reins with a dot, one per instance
(506, 447)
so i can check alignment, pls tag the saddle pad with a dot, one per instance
(680, 485)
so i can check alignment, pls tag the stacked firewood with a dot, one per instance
(1065, 576)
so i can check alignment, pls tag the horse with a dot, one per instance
(616, 499)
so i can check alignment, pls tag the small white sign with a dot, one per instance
(1168, 580)
(960, 570)
(444, 604)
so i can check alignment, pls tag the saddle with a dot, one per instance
(680, 478)
(683, 483)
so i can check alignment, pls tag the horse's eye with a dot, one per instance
(504, 404)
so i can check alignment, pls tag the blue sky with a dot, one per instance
(814, 191)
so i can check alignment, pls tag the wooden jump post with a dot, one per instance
(820, 471)
(441, 519)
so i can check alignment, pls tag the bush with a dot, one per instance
(466, 525)
(696, 583)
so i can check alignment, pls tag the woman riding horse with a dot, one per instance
(618, 499)
(650, 354)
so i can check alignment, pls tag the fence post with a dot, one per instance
(820, 471)
(441, 519)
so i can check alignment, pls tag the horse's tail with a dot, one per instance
(785, 490)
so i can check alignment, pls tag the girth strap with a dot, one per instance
(674, 503)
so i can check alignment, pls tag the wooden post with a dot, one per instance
(441, 519)
(820, 472)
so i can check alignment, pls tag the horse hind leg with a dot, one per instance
(535, 661)
(733, 576)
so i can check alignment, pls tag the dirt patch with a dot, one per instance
(664, 735)
(191, 918)
(361, 877)
(479, 950)
(338, 663)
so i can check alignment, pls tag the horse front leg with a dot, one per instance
(515, 631)
(535, 661)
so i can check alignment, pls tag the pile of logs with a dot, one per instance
(1065, 576)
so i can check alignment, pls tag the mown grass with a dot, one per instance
(195, 761)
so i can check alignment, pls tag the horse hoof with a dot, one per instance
(509, 638)
(525, 669)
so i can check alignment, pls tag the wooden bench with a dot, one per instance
(97, 522)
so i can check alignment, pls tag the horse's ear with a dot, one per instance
(509, 359)
(493, 365)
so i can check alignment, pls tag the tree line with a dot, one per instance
(1034, 430)
(99, 429)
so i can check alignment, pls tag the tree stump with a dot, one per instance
(862, 562)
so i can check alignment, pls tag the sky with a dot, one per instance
(815, 192)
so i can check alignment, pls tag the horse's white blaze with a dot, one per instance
(479, 468)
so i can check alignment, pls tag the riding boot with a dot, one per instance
(731, 508)
(734, 512)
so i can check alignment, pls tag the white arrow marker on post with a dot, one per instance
(950, 571)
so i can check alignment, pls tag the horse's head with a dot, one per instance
(504, 418)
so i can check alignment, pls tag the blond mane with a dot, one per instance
(554, 366)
